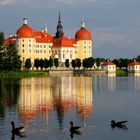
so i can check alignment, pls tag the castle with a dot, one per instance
(40, 44)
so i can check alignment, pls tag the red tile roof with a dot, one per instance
(25, 31)
(108, 63)
(83, 34)
(134, 63)
(63, 42)
(42, 37)
(10, 40)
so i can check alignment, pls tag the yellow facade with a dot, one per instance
(83, 49)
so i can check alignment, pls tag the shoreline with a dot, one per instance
(62, 72)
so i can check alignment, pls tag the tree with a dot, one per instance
(84, 63)
(1, 57)
(73, 63)
(78, 63)
(50, 62)
(98, 62)
(90, 62)
(28, 63)
(1, 38)
(67, 63)
(41, 63)
(11, 58)
(138, 58)
(116, 62)
(56, 63)
(36, 63)
(46, 63)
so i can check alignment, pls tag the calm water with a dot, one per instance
(45, 106)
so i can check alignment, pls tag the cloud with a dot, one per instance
(7, 2)
(45, 2)
(107, 36)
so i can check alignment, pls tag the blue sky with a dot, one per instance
(114, 24)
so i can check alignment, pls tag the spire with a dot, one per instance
(59, 20)
(46, 28)
(83, 25)
(59, 31)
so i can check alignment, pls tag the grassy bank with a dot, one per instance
(121, 72)
(21, 74)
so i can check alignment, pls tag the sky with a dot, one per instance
(114, 24)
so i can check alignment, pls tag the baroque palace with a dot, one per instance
(40, 44)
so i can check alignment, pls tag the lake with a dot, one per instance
(46, 105)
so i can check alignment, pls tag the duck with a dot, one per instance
(120, 124)
(75, 129)
(17, 131)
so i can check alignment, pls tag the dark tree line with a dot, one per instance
(41, 63)
(49, 63)
(1, 38)
(122, 63)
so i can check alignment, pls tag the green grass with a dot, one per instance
(21, 74)
(121, 72)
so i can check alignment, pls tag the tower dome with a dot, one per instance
(83, 33)
(25, 31)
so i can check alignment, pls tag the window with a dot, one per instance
(22, 40)
(63, 55)
(29, 40)
(30, 51)
(29, 45)
(23, 45)
(23, 50)
(44, 46)
(40, 51)
(44, 51)
(70, 55)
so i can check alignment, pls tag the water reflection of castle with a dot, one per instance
(44, 95)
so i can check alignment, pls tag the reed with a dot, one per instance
(21, 74)
(121, 72)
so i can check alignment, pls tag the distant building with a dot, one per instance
(109, 67)
(134, 67)
(40, 44)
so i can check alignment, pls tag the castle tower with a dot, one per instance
(59, 32)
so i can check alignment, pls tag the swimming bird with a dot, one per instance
(18, 131)
(75, 129)
(120, 124)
